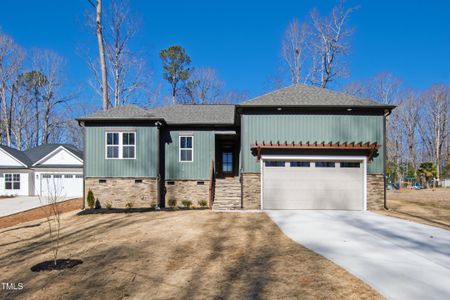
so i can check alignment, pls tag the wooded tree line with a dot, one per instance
(418, 129)
(33, 107)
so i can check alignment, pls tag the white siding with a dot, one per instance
(23, 185)
(61, 157)
(7, 160)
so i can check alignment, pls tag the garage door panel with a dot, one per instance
(313, 187)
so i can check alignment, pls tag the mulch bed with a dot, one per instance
(60, 264)
(39, 213)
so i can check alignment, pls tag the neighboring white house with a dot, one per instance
(39, 170)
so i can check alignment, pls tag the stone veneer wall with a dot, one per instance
(187, 190)
(122, 190)
(251, 190)
(375, 191)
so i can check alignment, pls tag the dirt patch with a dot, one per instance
(427, 206)
(39, 213)
(173, 255)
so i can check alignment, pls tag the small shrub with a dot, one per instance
(90, 199)
(97, 204)
(203, 203)
(129, 204)
(172, 203)
(186, 203)
(108, 205)
(153, 204)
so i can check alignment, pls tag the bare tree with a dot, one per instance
(293, 48)
(11, 60)
(408, 112)
(329, 44)
(101, 51)
(203, 87)
(51, 65)
(55, 194)
(434, 128)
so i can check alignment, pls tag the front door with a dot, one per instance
(227, 163)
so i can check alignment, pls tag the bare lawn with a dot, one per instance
(167, 255)
(428, 206)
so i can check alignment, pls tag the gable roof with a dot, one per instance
(128, 112)
(41, 151)
(17, 154)
(30, 157)
(192, 114)
(300, 95)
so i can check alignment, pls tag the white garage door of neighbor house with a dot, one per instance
(65, 185)
(313, 184)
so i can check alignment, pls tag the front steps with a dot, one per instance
(227, 195)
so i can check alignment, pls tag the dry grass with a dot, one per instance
(173, 255)
(427, 206)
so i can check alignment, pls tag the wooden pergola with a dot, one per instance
(370, 148)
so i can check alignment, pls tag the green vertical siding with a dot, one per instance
(310, 128)
(143, 166)
(204, 144)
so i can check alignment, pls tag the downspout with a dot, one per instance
(81, 124)
(386, 114)
(158, 164)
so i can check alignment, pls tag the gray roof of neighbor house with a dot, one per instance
(214, 114)
(30, 157)
(19, 155)
(36, 154)
(300, 95)
(128, 112)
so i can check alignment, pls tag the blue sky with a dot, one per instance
(241, 39)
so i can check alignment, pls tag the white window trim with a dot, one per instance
(179, 149)
(120, 145)
(312, 158)
(12, 181)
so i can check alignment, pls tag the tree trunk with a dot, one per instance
(101, 52)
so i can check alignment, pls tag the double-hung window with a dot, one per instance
(186, 149)
(120, 145)
(12, 181)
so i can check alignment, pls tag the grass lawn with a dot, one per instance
(167, 255)
(427, 206)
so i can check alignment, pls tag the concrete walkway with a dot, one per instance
(9, 206)
(399, 258)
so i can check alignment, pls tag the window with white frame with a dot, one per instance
(120, 145)
(186, 149)
(12, 181)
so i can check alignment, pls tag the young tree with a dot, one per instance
(101, 51)
(175, 68)
(293, 48)
(329, 44)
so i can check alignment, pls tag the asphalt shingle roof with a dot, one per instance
(128, 112)
(30, 157)
(214, 114)
(20, 155)
(300, 95)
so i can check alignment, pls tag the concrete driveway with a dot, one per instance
(9, 206)
(400, 259)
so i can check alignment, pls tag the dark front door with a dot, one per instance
(227, 163)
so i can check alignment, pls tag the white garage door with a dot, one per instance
(65, 185)
(313, 184)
